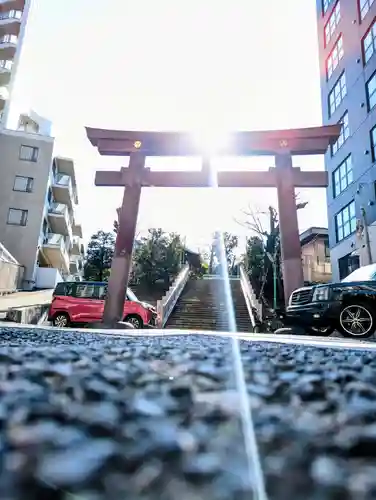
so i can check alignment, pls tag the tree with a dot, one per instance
(253, 259)
(157, 256)
(230, 243)
(99, 255)
(263, 251)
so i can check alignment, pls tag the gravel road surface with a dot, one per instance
(93, 417)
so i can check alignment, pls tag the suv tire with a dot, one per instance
(357, 320)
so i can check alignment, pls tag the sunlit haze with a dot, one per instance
(166, 65)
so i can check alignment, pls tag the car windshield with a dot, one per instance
(132, 296)
(366, 273)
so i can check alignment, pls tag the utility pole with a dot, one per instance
(366, 235)
(273, 260)
(211, 260)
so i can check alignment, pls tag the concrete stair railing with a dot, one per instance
(254, 306)
(166, 305)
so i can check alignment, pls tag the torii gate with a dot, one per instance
(137, 145)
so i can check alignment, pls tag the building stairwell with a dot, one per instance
(202, 306)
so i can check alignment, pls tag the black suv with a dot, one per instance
(348, 306)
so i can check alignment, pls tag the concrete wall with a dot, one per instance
(47, 277)
(315, 263)
(361, 121)
(22, 241)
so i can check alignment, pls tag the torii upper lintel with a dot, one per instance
(306, 141)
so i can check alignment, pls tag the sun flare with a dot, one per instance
(211, 141)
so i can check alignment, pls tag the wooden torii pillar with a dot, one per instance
(282, 144)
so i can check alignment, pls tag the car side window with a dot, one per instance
(85, 291)
(61, 289)
(102, 292)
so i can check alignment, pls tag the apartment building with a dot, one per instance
(347, 53)
(38, 205)
(14, 15)
(316, 255)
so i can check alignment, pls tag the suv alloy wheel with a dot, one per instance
(357, 321)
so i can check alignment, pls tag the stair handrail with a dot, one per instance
(168, 301)
(254, 307)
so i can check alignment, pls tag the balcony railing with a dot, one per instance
(58, 241)
(58, 209)
(9, 39)
(76, 244)
(5, 64)
(78, 263)
(11, 14)
(64, 180)
(55, 240)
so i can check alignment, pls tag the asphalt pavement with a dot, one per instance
(92, 416)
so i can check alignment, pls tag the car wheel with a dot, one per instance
(357, 321)
(61, 320)
(134, 320)
(323, 331)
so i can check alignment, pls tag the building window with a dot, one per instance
(348, 264)
(334, 57)
(369, 43)
(344, 135)
(373, 143)
(364, 6)
(342, 176)
(29, 153)
(346, 221)
(17, 217)
(337, 94)
(24, 184)
(332, 23)
(325, 5)
(371, 91)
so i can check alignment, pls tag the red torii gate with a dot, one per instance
(281, 144)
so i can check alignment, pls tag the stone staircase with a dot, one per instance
(202, 306)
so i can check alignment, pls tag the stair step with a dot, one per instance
(203, 306)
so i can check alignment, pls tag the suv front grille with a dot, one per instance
(301, 297)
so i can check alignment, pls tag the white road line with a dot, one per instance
(256, 474)
(324, 342)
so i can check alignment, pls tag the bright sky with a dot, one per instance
(164, 65)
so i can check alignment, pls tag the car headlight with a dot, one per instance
(320, 294)
(149, 307)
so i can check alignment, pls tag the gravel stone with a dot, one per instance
(102, 416)
(316, 432)
(76, 465)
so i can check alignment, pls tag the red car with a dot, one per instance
(82, 302)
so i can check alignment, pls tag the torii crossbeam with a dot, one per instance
(282, 144)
